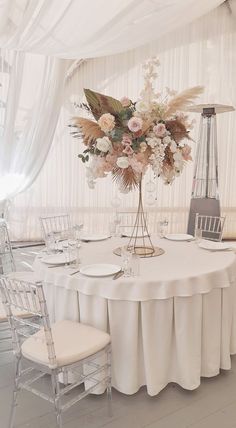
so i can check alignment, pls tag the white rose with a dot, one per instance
(153, 142)
(122, 162)
(178, 156)
(142, 106)
(167, 140)
(143, 147)
(103, 144)
(173, 146)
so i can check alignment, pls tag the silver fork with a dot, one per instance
(73, 273)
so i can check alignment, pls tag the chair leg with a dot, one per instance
(15, 391)
(109, 390)
(57, 398)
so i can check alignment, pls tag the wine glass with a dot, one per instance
(163, 227)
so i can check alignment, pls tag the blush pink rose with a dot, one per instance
(137, 166)
(128, 150)
(125, 101)
(135, 124)
(126, 140)
(106, 122)
(159, 130)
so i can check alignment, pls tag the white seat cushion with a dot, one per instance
(73, 342)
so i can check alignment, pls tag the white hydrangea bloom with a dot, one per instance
(156, 159)
(173, 146)
(153, 142)
(167, 140)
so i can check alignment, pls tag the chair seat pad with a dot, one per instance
(72, 341)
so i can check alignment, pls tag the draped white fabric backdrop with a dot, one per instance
(199, 53)
(31, 93)
(88, 28)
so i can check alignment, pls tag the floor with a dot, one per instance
(212, 405)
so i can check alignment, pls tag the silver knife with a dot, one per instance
(118, 274)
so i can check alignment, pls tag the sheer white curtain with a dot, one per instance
(200, 53)
(30, 95)
(88, 28)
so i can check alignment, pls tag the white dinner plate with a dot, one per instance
(99, 269)
(128, 234)
(179, 237)
(214, 246)
(94, 237)
(57, 259)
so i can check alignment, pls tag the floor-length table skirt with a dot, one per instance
(156, 342)
(175, 322)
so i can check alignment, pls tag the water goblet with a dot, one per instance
(117, 222)
(198, 235)
(78, 231)
(65, 249)
(57, 237)
(50, 242)
(73, 247)
(163, 227)
(126, 261)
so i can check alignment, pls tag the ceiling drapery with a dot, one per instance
(92, 28)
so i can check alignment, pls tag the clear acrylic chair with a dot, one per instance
(211, 226)
(7, 266)
(58, 349)
(7, 263)
(56, 224)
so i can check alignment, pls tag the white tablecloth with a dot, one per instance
(175, 322)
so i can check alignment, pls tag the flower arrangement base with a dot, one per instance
(156, 252)
(140, 242)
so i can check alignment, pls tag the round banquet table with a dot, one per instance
(175, 322)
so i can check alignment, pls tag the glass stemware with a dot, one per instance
(198, 235)
(163, 227)
(50, 242)
(65, 249)
(73, 248)
(126, 262)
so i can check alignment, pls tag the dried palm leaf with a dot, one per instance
(182, 101)
(126, 177)
(101, 104)
(177, 130)
(146, 125)
(90, 130)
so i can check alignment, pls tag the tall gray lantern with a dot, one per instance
(205, 196)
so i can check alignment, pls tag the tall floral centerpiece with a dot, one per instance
(125, 138)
